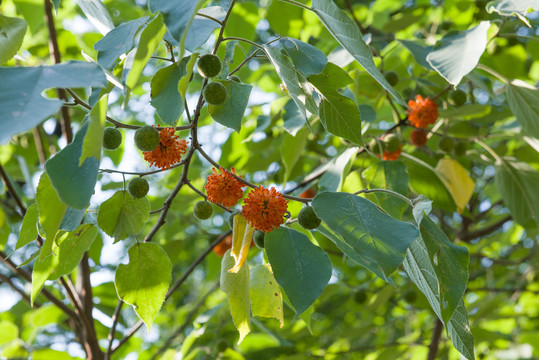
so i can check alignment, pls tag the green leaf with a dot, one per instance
(307, 59)
(56, 4)
(12, 32)
(29, 227)
(43, 268)
(118, 41)
(368, 236)
(149, 40)
(265, 294)
(450, 262)
(236, 288)
(93, 141)
(523, 101)
(390, 175)
(419, 50)
(202, 27)
(337, 170)
(346, 32)
(300, 267)
(517, 8)
(51, 354)
(51, 213)
(98, 15)
(184, 81)
(177, 15)
(517, 184)
(292, 117)
(166, 98)
(21, 87)
(9, 332)
(65, 258)
(422, 206)
(459, 332)
(144, 282)
(230, 113)
(455, 55)
(72, 219)
(424, 270)
(73, 183)
(71, 249)
(298, 88)
(292, 149)
(121, 215)
(339, 114)
(425, 180)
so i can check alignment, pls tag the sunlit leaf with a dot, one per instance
(368, 236)
(457, 181)
(121, 215)
(236, 287)
(12, 32)
(457, 54)
(265, 294)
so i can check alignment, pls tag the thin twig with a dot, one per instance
(56, 58)
(142, 173)
(435, 340)
(112, 121)
(186, 322)
(9, 185)
(21, 292)
(26, 276)
(174, 287)
(112, 332)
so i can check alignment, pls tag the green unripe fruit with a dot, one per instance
(203, 210)
(360, 296)
(392, 78)
(138, 187)
(307, 218)
(147, 138)
(258, 238)
(460, 148)
(446, 144)
(222, 345)
(235, 78)
(410, 296)
(457, 97)
(209, 65)
(215, 93)
(112, 138)
(392, 143)
(376, 146)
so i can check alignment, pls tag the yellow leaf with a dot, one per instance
(242, 235)
(457, 181)
(236, 287)
(266, 297)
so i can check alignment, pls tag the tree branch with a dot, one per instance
(467, 236)
(56, 58)
(9, 185)
(26, 276)
(435, 340)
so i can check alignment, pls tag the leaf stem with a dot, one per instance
(387, 191)
(242, 39)
(211, 18)
(493, 73)
(292, 2)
